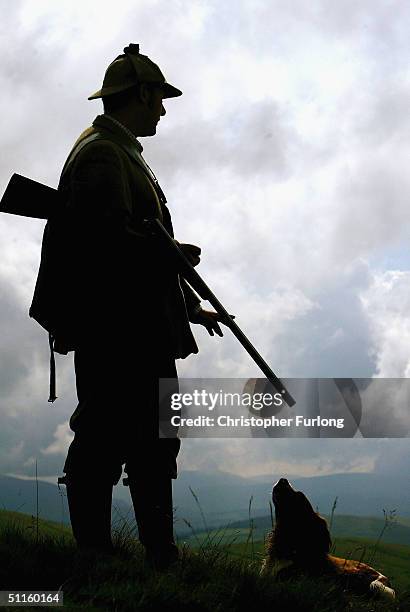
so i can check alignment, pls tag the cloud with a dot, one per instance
(387, 304)
(393, 458)
(285, 159)
(28, 420)
(62, 440)
(253, 141)
(288, 457)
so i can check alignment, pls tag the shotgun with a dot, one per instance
(28, 198)
(192, 277)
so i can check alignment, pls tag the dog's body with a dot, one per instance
(300, 544)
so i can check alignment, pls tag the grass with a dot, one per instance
(27, 523)
(391, 559)
(217, 575)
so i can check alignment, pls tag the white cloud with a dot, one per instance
(286, 160)
(387, 303)
(63, 437)
(295, 457)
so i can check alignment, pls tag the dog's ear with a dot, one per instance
(315, 524)
(324, 541)
(314, 536)
(303, 506)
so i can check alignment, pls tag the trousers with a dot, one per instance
(116, 422)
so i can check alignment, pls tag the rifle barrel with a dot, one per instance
(193, 278)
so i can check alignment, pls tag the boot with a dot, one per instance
(152, 501)
(89, 504)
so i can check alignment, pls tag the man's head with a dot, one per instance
(133, 90)
(139, 108)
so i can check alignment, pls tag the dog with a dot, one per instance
(300, 544)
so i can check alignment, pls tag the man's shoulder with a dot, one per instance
(95, 145)
(108, 139)
(95, 138)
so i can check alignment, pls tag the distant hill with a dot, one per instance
(19, 495)
(223, 498)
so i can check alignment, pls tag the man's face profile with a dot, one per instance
(158, 109)
(151, 98)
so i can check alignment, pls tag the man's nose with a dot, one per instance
(163, 111)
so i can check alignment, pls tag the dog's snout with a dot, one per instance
(281, 488)
(282, 483)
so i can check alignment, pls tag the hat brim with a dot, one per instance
(109, 91)
(95, 95)
(169, 91)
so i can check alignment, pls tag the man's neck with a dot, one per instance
(124, 128)
(130, 120)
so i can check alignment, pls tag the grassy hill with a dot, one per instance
(211, 577)
(28, 524)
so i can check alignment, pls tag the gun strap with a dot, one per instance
(52, 396)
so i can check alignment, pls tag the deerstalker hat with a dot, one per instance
(132, 68)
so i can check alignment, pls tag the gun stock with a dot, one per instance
(28, 198)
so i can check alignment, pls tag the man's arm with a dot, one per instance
(196, 314)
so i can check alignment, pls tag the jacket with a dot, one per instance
(124, 281)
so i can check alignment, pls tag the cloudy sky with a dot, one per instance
(285, 160)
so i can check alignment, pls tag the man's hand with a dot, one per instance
(191, 252)
(209, 319)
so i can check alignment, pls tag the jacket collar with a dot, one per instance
(119, 136)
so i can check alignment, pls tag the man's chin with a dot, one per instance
(151, 132)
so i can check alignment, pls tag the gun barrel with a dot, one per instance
(197, 283)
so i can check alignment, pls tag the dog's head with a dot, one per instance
(300, 532)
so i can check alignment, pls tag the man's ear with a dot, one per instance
(145, 93)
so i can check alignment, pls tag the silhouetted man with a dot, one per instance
(132, 311)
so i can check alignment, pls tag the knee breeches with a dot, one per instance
(116, 421)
